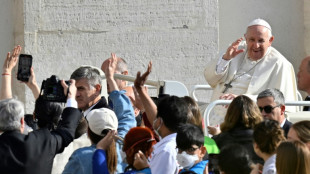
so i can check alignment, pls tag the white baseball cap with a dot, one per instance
(261, 22)
(100, 119)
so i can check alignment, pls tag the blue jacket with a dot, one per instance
(100, 164)
(197, 168)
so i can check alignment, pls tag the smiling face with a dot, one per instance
(258, 39)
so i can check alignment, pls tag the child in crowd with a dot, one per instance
(267, 137)
(191, 149)
(234, 158)
(300, 131)
(293, 158)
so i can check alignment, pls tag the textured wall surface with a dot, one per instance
(179, 36)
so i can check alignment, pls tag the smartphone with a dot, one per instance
(24, 66)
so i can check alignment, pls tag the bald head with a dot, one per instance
(303, 76)
(121, 68)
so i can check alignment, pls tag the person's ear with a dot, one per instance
(203, 151)
(22, 125)
(136, 111)
(98, 88)
(125, 72)
(270, 40)
(282, 107)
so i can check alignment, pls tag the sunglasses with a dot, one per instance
(268, 109)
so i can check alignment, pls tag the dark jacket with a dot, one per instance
(34, 153)
(101, 104)
(286, 127)
(239, 135)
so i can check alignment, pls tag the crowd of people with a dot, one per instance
(106, 126)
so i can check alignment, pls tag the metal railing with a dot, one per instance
(199, 87)
(206, 114)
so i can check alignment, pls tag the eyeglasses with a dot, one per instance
(268, 109)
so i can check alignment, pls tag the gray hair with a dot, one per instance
(11, 113)
(277, 95)
(91, 74)
(121, 65)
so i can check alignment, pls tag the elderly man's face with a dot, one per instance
(270, 109)
(303, 76)
(258, 40)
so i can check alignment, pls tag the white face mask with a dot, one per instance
(156, 130)
(185, 160)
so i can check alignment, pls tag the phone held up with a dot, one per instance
(24, 66)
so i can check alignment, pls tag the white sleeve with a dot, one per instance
(164, 163)
(71, 102)
(221, 65)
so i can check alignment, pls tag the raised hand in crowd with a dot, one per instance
(140, 79)
(9, 63)
(149, 105)
(109, 72)
(32, 84)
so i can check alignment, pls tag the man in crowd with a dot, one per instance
(303, 77)
(89, 86)
(169, 113)
(249, 66)
(271, 103)
(122, 68)
(33, 153)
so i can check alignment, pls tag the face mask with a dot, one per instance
(156, 130)
(185, 160)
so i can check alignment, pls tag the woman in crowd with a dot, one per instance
(241, 117)
(300, 131)
(293, 158)
(138, 141)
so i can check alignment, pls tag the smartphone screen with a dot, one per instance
(24, 66)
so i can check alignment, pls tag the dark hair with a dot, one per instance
(234, 158)
(81, 127)
(268, 135)
(173, 110)
(47, 113)
(188, 135)
(241, 112)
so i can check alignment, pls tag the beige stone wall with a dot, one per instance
(179, 36)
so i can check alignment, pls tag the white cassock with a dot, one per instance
(251, 77)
